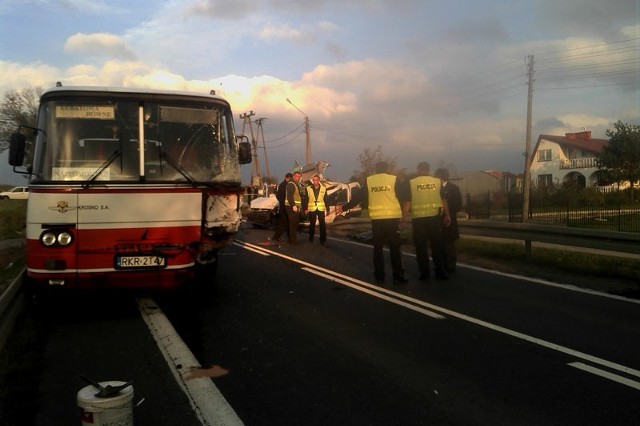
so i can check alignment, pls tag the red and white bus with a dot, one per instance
(129, 188)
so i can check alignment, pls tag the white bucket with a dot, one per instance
(116, 410)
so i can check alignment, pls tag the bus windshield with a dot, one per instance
(99, 139)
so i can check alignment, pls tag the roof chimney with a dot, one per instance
(570, 136)
(586, 135)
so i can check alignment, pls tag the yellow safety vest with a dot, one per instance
(319, 203)
(383, 203)
(425, 196)
(297, 199)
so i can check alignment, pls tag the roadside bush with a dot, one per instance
(14, 214)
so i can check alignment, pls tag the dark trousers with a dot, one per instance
(427, 231)
(312, 225)
(450, 234)
(293, 219)
(450, 258)
(282, 224)
(386, 231)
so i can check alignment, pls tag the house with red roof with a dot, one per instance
(570, 158)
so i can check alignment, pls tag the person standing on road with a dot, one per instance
(315, 208)
(450, 233)
(428, 210)
(281, 195)
(293, 205)
(381, 194)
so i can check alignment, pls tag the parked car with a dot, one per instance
(17, 193)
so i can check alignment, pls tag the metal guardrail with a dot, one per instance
(624, 242)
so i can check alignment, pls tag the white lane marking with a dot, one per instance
(567, 287)
(345, 279)
(260, 251)
(375, 294)
(503, 330)
(535, 340)
(205, 398)
(605, 374)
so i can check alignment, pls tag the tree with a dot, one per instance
(620, 159)
(368, 160)
(17, 107)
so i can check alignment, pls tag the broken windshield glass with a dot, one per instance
(183, 142)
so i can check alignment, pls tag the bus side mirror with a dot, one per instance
(17, 144)
(244, 150)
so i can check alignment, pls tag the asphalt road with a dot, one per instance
(308, 340)
(299, 335)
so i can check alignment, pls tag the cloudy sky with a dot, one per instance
(426, 80)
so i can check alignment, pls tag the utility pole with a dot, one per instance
(255, 171)
(307, 130)
(527, 153)
(260, 132)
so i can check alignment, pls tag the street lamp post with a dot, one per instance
(306, 130)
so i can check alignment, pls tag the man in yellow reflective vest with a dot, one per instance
(315, 208)
(293, 206)
(423, 199)
(381, 193)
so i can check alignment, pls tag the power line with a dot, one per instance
(594, 86)
(564, 51)
(285, 135)
(615, 68)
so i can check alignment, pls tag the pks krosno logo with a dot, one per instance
(62, 207)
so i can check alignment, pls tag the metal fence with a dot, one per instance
(604, 213)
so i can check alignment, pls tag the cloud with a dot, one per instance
(576, 122)
(411, 111)
(17, 76)
(284, 32)
(584, 17)
(99, 44)
(327, 26)
(220, 9)
(567, 123)
(336, 51)
(375, 6)
(269, 94)
(487, 30)
(379, 80)
(547, 123)
(93, 7)
(632, 31)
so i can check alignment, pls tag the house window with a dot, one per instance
(545, 180)
(544, 155)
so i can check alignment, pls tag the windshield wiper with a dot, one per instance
(179, 168)
(102, 168)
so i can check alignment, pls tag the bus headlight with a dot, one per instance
(56, 238)
(64, 238)
(48, 239)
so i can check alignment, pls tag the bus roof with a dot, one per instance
(130, 90)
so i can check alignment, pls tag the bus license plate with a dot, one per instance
(132, 262)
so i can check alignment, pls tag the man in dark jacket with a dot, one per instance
(281, 195)
(293, 204)
(450, 234)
